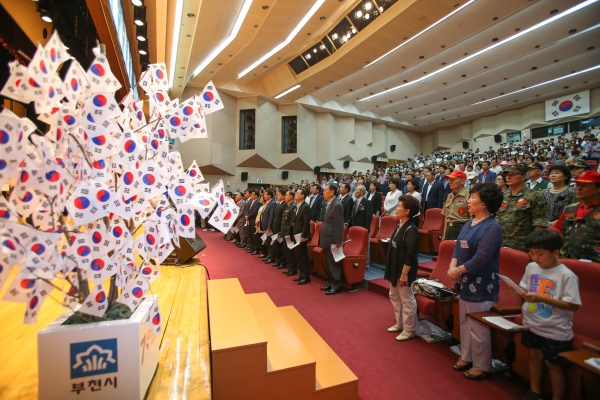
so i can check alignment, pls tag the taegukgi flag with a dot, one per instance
(565, 106)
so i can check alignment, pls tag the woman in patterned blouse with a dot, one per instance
(474, 267)
(561, 194)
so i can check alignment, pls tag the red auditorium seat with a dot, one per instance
(374, 226)
(312, 228)
(314, 241)
(586, 325)
(355, 263)
(512, 264)
(379, 249)
(439, 311)
(318, 258)
(433, 227)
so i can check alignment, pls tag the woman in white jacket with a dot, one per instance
(391, 200)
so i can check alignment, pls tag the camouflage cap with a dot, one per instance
(579, 164)
(536, 165)
(517, 169)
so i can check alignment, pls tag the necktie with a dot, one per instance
(312, 200)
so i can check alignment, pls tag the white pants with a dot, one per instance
(475, 338)
(405, 307)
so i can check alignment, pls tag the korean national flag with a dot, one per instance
(152, 320)
(210, 100)
(100, 76)
(218, 192)
(186, 226)
(96, 303)
(100, 269)
(83, 206)
(203, 202)
(160, 80)
(134, 292)
(40, 68)
(56, 53)
(75, 83)
(181, 191)
(225, 223)
(150, 270)
(195, 173)
(573, 104)
(100, 107)
(18, 74)
(34, 302)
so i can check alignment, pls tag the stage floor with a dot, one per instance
(184, 366)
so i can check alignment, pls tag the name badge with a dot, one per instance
(464, 244)
(394, 244)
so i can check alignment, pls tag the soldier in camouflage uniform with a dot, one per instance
(580, 222)
(286, 227)
(455, 206)
(522, 210)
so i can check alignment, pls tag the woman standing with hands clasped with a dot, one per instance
(474, 267)
(401, 268)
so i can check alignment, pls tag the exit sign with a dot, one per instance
(325, 169)
(259, 181)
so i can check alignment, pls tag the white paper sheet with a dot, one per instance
(290, 243)
(513, 285)
(263, 237)
(594, 362)
(338, 253)
(274, 237)
(503, 323)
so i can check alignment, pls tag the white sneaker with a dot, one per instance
(405, 335)
(395, 328)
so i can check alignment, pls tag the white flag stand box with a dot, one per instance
(100, 360)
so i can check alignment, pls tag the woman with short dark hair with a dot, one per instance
(374, 197)
(561, 194)
(474, 269)
(401, 268)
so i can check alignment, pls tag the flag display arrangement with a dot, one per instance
(98, 198)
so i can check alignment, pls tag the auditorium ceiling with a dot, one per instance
(416, 64)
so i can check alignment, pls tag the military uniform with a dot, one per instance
(286, 227)
(456, 212)
(519, 214)
(582, 236)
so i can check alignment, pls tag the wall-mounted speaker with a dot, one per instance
(346, 164)
(393, 147)
(244, 176)
(284, 174)
(373, 158)
(317, 170)
(498, 138)
(465, 145)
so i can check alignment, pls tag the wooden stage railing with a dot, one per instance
(184, 366)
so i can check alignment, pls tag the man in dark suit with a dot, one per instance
(276, 248)
(315, 200)
(301, 224)
(486, 175)
(267, 218)
(346, 200)
(433, 193)
(251, 212)
(332, 233)
(362, 210)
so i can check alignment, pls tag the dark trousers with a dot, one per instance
(272, 248)
(290, 257)
(279, 252)
(452, 232)
(301, 252)
(334, 268)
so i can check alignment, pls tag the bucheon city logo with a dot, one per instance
(94, 358)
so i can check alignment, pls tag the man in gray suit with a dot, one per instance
(332, 232)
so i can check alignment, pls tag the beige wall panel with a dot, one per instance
(363, 135)
(380, 139)
(344, 127)
(325, 139)
(307, 135)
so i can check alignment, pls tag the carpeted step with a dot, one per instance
(380, 286)
(334, 380)
(290, 366)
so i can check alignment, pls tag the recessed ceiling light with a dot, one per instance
(572, 31)
(534, 68)
(220, 64)
(265, 7)
(495, 39)
(368, 6)
(590, 48)
(191, 15)
(322, 17)
(421, 57)
(188, 35)
(367, 16)
(180, 77)
(553, 11)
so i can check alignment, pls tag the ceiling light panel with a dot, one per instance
(570, 12)
(287, 91)
(473, 20)
(316, 5)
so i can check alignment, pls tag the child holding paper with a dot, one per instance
(552, 294)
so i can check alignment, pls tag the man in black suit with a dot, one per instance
(276, 248)
(315, 200)
(251, 212)
(346, 200)
(433, 193)
(267, 218)
(332, 233)
(301, 224)
(362, 210)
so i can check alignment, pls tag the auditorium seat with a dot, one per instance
(512, 265)
(439, 311)
(312, 228)
(586, 324)
(374, 226)
(314, 241)
(354, 264)
(593, 165)
(433, 227)
(379, 249)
